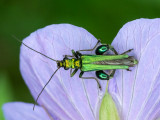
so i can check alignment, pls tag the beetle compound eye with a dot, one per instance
(102, 75)
(102, 49)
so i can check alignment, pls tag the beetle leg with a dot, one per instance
(73, 73)
(112, 49)
(66, 56)
(127, 51)
(70, 72)
(128, 70)
(112, 74)
(78, 53)
(93, 47)
(102, 49)
(80, 76)
(74, 54)
(104, 76)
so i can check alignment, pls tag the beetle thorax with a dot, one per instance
(69, 63)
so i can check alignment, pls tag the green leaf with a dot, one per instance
(108, 110)
(5, 91)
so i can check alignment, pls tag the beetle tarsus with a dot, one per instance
(128, 70)
(127, 51)
(92, 48)
(98, 83)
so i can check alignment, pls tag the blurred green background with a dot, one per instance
(102, 18)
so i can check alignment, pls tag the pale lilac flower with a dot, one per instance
(136, 94)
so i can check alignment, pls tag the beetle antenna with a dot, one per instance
(32, 48)
(44, 87)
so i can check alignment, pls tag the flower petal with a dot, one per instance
(137, 92)
(23, 111)
(64, 97)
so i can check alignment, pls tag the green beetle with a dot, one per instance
(97, 63)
